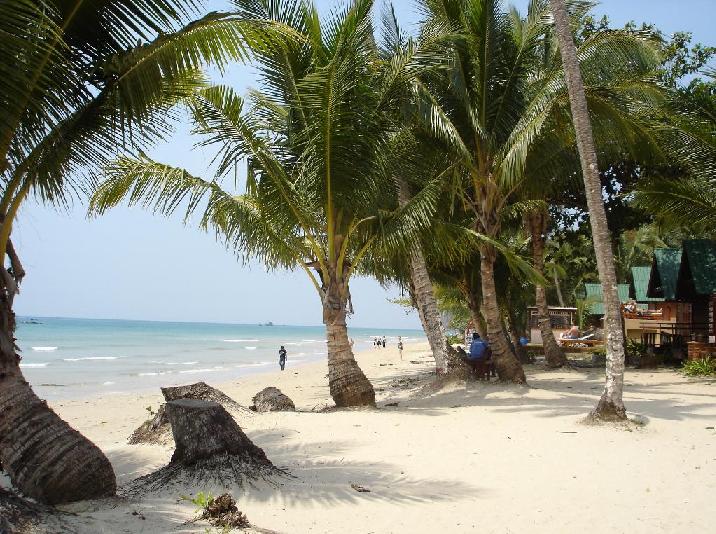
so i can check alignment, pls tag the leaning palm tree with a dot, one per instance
(319, 192)
(76, 88)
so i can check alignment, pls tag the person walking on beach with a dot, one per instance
(400, 346)
(383, 341)
(282, 357)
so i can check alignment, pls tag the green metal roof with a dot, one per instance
(593, 293)
(640, 276)
(664, 273)
(701, 255)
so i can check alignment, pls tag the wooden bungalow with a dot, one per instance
(696, 285)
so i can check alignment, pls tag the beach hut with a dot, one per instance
(592, 293)
(696, 285)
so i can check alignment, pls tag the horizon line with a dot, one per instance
(24, 316)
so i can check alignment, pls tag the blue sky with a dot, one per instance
(130, 264)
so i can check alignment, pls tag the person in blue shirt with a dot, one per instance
(478, 356)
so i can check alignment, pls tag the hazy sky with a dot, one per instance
(130, 264)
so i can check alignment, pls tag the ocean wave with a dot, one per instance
(239, 340)
(108, 383)
(152, 373)
(33, 365)
(253, 364)
(44, 349)
(191, 371)
(250, 348)
(89, 358)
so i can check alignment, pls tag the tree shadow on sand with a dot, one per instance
(574, 394)
(323, 481)
(327, 481)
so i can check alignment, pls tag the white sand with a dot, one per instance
(467, 458)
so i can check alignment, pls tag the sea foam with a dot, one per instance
(90, 358)
(33, 365)
(44, 349)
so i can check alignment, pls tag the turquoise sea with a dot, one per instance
(74, 358)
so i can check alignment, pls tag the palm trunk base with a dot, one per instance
(608, 411)
(46, 458)
(509, 369)
(348, 384)
(554, 357)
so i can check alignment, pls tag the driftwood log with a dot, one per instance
(271, 399)
(210, 449)
(157, 430)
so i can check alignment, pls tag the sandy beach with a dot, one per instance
(451, 457)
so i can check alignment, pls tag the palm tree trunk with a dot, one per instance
(473, 304)
(425, 296)
(537, 226)
(515, 335)
(347, 383)
(558, 287)
(611, 405)
(506, 363)
(425, 299)
(45, 458)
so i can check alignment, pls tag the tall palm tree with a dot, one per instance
(75, 87)
(319, 194)
(494, 107)
(611, 405)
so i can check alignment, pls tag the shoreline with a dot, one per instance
(259, 374)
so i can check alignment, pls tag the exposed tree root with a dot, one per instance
(224, 470)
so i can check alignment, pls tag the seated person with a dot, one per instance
(478, 357)
(631, 307)
(572, 333)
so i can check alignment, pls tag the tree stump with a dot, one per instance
(158, 431)
(203, 391)
(210, 448)
(203, 429)
(271, 399)
(457, 363)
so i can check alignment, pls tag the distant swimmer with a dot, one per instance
(282, 357)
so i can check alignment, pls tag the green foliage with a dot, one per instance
(455, 339)
(635, 349)
(201, 500)
(452, 302)
(703, 367)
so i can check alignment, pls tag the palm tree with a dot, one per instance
(611, 405)
(496, 107)
(76, 87)
(319, 191)
(536, 223)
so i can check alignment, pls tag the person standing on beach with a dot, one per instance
(282, 357)
(400, 346)
(383, 341)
